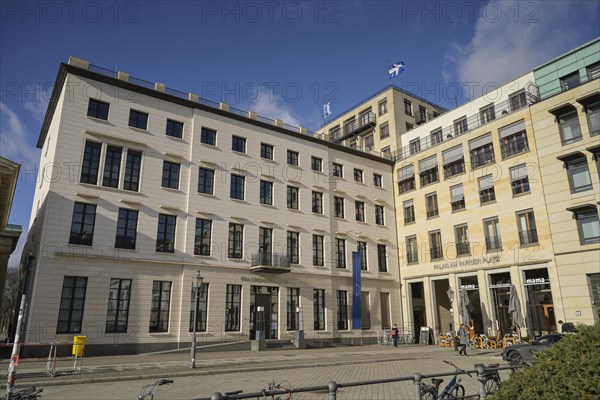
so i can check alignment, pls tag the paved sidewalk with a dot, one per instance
(122, 376)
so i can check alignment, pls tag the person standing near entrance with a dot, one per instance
(462, 334)
(394, 335)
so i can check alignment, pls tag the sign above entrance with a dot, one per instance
(467, 263)
(470, 286)
(260, 279)
(537, 281)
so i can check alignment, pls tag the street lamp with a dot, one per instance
(196, 291)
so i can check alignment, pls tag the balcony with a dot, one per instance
(270, 262)
(355, 127)
(436, 253)
(493, 243)
(463, 249)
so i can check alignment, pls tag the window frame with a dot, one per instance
(174, 129)
(267, 151)
(580, 215)
(359, 208)
(139, 119)
(379, 215)
(233, 303)
(73, 325)
(316, 164)
(203, 237)
(112, 166)
(266, 192)
(165, 242)
(293, 197)
(98, 111)
(208, 136)
(338, 170)
(82, 224)
(235, 241)
(338, 206)
(382, 255)
(160, 325)
(173, 174)
(127, 221)
(319, 311)
(206, 180)
(237, 187)
(238, 144)
(293, 247)
(317, 202)
(293, 158)
(318, 250)
(121, 305)
(340, 253)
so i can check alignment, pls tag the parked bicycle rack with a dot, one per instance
(77, 352)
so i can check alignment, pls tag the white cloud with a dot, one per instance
(14, 144)
(508, 44)
(272, 107)
(37, 108)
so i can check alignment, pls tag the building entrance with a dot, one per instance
(540, 307)
(500, 287)
(418, 308)
(471, 284)
(263, 298)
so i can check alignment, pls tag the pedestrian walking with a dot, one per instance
(462, 333)
(394, 334)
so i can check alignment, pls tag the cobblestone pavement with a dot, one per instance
(121, 377)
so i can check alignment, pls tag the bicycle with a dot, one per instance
(453, 390)
(277, 387)
(30, 393)
(490, 379)
(145, 393)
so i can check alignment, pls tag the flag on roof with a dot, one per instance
(327, 109)
(396, 69)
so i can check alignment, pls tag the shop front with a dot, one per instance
(540, 318)
(500, 292)
(471, 285)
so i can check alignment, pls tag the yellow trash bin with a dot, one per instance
(78, 345)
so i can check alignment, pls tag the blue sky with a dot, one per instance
(281, 59)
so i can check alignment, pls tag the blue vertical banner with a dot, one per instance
(356, 289)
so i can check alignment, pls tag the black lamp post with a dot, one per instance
(196, 291)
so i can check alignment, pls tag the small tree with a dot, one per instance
(569, 369)
(10, 298)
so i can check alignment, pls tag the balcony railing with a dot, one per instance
(436, 253)
(269, 262)
(412, 257)
(364, 121)
(463, 249)
(493, 243)
(501, 109)
(528, 237)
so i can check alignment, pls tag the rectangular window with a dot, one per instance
(317, 202)
(428, 171)
(334, 133)
(126, 229)
(579, 175)
(377, 180)
(519, 180)
(265, 245)
(593, 118)
(292, 158)
(481, 151)
(342, 310)
(236, 241)
(412, 251)
(435, 245)
(91, 162)
(570, 130)
(165, 236)
(460, 126)
(82, 224)
(170, 175)
(517, 100)
(431, 204)
(359, 206)
(292, 197)
(382, 258)
(454, 161)
(316, 164)
(293, 302)
(462, 240)
(407, 107)
(435, 137)
(293, 247)
(266, 151)
(174, 129)
(379, 215)
(491, 230)
(72, 300)
(117, 313)
(340, 246)
(414, 146)
(206, 180)
(386, 152)
(406, 179)
(238, 144)
(384, 131)
(98, 109)
(319, 309)
(409, 211)
(365, 310)
(318, 258)
(202, 237)
(338, 203)
(133, 166)
(138, 119)
(208, 136)
(159, 309)
(487, 193)
(338, 170)
(527, 228)
(588, 225)
(422, 117)
(383, 109)
(349, 125)
(487, 114)
(513, 139)
(369, 143)
(570, 81)
(457, 198)
(266, 192)
(236, 190)
(358, 175)
(112, 166)
(233, 302)
(202, 310)
(361, 247)
(593, 72)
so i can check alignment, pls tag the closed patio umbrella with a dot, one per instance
(465, 307)
(514, 308)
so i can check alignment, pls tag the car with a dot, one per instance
(523, 353)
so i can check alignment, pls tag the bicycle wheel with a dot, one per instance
(457, 393)
(428, 393)
(491, 384)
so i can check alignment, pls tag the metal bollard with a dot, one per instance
(216, 396)
(417, 385)
(481, 381)
(332, 390)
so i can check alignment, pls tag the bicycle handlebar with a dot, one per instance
(164, 382)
